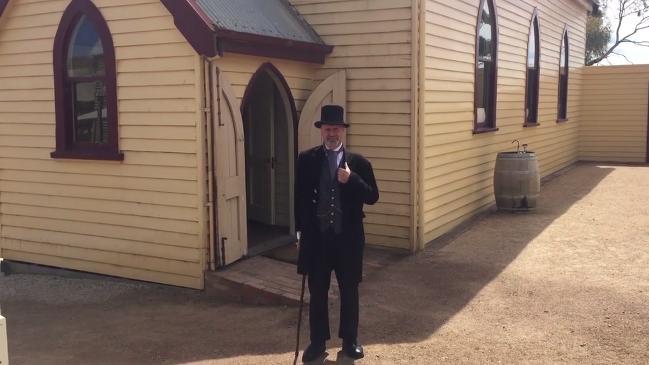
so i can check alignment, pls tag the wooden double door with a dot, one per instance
(254, 154)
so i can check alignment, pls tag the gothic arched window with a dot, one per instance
(486, 68)
(85, 86)
(562, 110)
(533, 71)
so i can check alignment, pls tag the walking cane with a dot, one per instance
(299, 322)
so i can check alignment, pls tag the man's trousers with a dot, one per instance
(332, 259)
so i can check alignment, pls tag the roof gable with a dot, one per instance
(269, 28)
(272, 18)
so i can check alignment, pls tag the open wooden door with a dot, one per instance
(333, 90)
(230, 175)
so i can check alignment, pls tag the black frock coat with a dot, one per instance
(360, 189)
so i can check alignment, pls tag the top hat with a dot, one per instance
(332, 115)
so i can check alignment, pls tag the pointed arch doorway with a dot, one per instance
(269, 119)
(230, 185)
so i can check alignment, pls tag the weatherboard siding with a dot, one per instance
(144, 218)
(457, 165)
(239, 69)
(372, 43)
(614, 125)
(139, 218)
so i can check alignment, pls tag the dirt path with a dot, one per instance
(566, 284)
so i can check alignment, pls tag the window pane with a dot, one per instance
(532, 95)
(484, 87)
(563, 60)
(90, 119)
(563, 79)
(531, 49)
(482, 91)
(85, 52)
(485, 49)
(532, 75)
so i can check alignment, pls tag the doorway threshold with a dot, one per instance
(264, 280)
(261, 280)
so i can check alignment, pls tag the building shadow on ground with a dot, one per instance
(406, 302)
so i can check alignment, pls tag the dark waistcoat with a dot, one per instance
(329, 209)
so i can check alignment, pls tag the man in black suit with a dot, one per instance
(331, 186)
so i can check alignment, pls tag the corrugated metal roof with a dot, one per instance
(273, 18)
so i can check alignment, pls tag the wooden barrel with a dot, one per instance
(517, 182)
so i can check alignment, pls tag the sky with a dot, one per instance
(635, 54)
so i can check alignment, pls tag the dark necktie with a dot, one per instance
(332, 156)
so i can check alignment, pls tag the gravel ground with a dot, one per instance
(61, 291)
(568, 283)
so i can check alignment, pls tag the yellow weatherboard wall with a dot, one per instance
(614, 126)
(457, 166)
(239, 70)
(139, 218)
(372, 43)
(409, 67)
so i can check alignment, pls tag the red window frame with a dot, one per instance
(64, 87)
(489, 125)
(532, 80)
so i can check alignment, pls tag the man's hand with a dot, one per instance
(343, 174)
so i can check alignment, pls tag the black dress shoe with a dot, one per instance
(353, 350)
(314, 351)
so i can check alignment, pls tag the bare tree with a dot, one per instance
(635, 12)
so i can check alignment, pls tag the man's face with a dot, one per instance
(332, 135)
